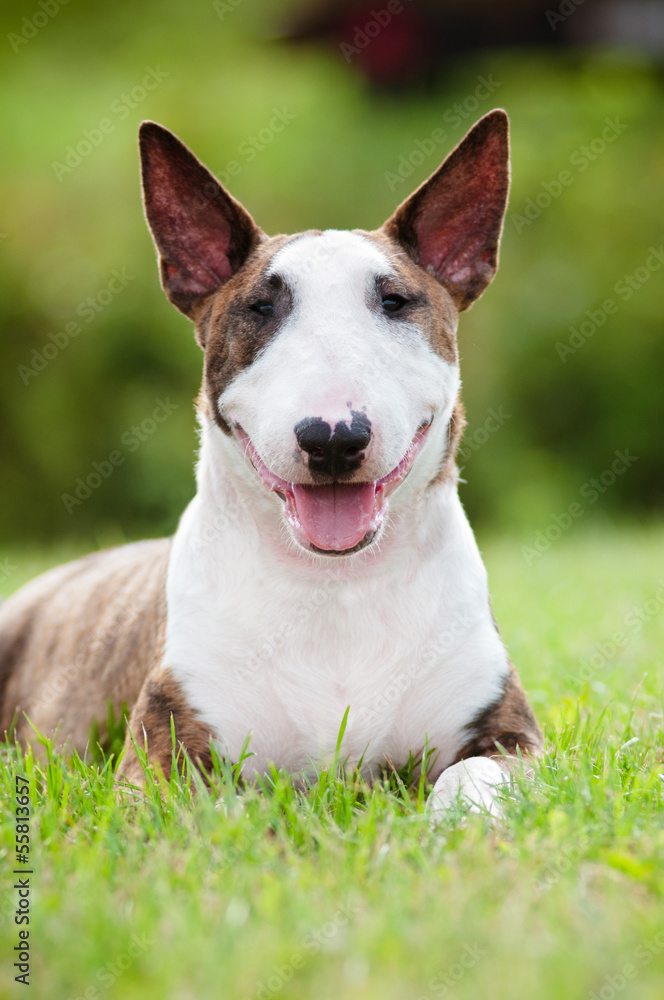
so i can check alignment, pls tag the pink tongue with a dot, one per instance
(336, 516)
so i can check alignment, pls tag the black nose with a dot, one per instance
(334, 453)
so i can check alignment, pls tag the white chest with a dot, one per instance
(277, 652)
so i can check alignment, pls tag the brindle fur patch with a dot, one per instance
(448, 467)
(232, 335)
(433, 309)
(230, 332)
(507, 725)
(78, 636)
(161, 700)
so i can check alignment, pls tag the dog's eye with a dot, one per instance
(263, 308)
(393, 303)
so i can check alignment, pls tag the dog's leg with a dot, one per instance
(473, 782)
(161, 700)
(486, 761)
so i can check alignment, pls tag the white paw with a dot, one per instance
(475, 781)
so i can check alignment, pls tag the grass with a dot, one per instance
(344, 891)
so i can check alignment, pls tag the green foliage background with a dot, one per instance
(61, 239)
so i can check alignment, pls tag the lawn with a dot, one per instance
(345, 891)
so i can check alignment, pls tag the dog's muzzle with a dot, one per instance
(334, 518)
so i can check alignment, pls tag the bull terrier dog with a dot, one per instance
(325, 567)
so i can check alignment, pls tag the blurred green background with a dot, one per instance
(217, 74)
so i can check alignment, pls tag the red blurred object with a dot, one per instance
(397, 42)
(389, 47)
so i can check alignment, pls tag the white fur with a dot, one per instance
(272, 642)
(333, 355)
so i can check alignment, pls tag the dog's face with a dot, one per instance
(331, 357)
(358, 365)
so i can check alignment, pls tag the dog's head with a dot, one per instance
(330, 357)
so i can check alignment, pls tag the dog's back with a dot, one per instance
(80, 635)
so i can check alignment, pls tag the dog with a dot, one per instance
(325, 569)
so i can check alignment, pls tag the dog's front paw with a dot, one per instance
(474, 782)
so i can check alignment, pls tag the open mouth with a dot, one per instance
(337, 518)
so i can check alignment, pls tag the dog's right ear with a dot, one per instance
(451, 225)
(203, 235)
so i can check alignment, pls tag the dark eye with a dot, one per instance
(263, 308)
(393, 303)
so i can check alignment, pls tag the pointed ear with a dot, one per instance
(203, 235)
(451, 225)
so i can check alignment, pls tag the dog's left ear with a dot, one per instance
(202, 233)
(451, 225)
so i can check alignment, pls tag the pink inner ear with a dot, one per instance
(458, 213)
(195, 279)
(202, 262)
(458, 235)
(194, 235)
(454, 256)
(202, 233)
